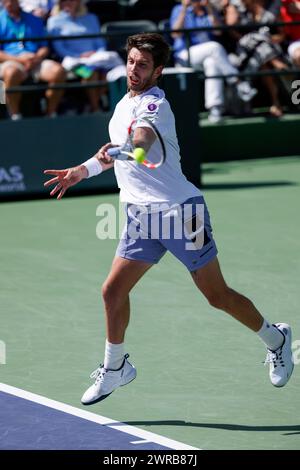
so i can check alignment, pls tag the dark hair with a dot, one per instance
(153, 43)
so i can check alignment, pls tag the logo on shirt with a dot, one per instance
(152, 107)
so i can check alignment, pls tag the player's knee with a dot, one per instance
(217, 300)
(112, 295)
(107, 292)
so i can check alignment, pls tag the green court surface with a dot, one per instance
(200, 379)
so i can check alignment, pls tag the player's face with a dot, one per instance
(141, 73)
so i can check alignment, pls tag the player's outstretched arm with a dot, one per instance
(64, 179)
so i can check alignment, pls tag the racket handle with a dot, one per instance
(114, 152)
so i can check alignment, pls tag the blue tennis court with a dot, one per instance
(32, 422)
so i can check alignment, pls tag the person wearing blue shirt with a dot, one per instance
(205, 53)
(87, 57)
(19, 59)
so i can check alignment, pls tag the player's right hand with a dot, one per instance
(103, 155)
(64, 179)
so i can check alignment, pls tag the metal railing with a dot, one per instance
(186, 32)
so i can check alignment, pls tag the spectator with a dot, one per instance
(205, 53)
(20, 59)
(87, 57)
(271, 6)
(260, 48)
(40, 8)
(290, 11)
(219, 5)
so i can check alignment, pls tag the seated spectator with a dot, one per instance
(290, 11)
(40, 8)
(258, 49)
(205, 53)
(219, 5)
(21, 59)
(271, 6)
(87, 57)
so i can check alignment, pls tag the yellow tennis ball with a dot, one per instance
(139, 155)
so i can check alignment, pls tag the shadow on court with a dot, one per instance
(248, 185)
(225, 426)
(225, 168)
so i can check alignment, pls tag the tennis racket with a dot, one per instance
(155, 156)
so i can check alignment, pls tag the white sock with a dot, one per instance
(270, 335)
(114, 355)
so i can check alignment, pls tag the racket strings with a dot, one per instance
(157, 153)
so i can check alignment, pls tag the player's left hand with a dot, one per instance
(64, 179)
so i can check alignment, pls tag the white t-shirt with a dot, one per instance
(138, 184)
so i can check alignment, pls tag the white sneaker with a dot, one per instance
(281, 360)
(245, 91)
(106, 381)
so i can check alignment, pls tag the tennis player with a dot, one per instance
(163, 194)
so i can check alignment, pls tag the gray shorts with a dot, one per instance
(184, 230)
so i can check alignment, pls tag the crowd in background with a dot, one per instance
(223, 53)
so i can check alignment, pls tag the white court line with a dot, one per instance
(144, 441)
(136, 432)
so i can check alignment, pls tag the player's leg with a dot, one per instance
(197, 250)
(136, 253)
(210, 281)
(116, 370)
(277, 338)
(124, 274)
